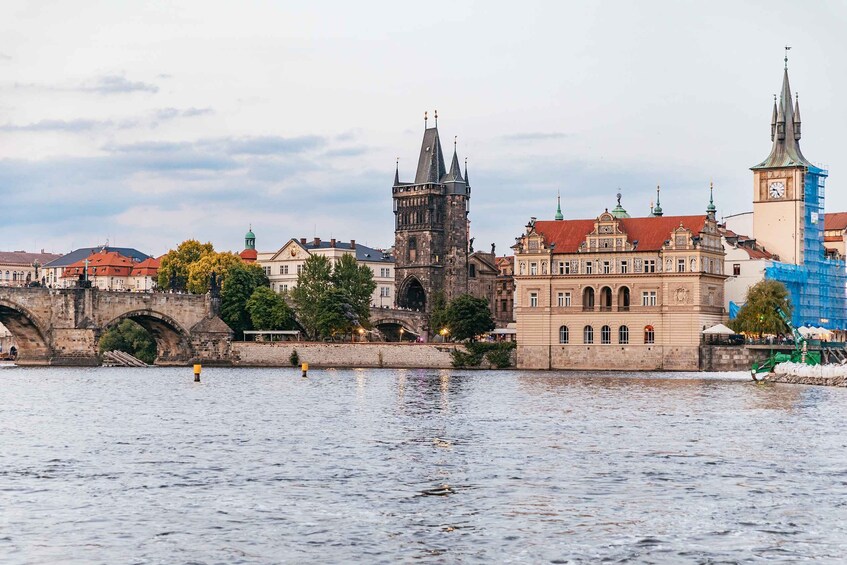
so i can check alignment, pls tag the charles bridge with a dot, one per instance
(63, 326)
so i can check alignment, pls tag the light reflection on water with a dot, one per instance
(260, 466)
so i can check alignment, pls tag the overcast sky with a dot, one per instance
(145, 124)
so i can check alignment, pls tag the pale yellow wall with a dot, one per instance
(778, 223)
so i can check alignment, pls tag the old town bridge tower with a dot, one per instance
(431, 227)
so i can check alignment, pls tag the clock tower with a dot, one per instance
(787, 210)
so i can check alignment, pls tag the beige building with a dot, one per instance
(617, 292)
(18, 268)
(283, 266)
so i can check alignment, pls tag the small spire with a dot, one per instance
(397, 171)
(796, 116)
(466, 172)
(559, 215)
(773, 118)
(455, 141)
(710, 209)
(657, 211)
(651, 207)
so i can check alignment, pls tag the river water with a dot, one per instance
(384, 466)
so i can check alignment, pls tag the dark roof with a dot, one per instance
(83, 252)
(24, 258)
(455, 173)
(431, 161)
(786, 152)
(650, 232)
(363, 252)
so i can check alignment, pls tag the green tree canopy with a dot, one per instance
(129, 337)
(241, 282)
(313, 283)
(356, 283)
(758, 315)
(336, 314)
(438, 313)
(468, 317)
(219, 263)
(269, 311)
(177, 262)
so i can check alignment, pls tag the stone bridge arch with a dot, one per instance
(389, 321)
(31, 338)
(173, 342)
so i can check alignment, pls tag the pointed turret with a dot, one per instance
(455, 172)
(773, 119)
(397, 172)
(796, 116)
(467, 179)
(559, 215)
(431, 161)
(786, 147)
(657, 210)
(710, 209)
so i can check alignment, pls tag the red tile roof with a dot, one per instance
(650, 233)
(147, 268)
(835, 221)
(101, 264)
(248, 255)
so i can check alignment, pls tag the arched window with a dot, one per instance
(623, 299)
(7, 275)
(588, 299)
(564, 334)
(623, 335)
(605, 299)
(588, 335)
(15, 276)
(649, 335)
(605, 335)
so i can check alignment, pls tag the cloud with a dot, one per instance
(4, 57)
(86, 125)
(117, 84)
(58, 125)
(173, 113)
(534, 136)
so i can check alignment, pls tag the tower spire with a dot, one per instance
(657, 210)
(710, 209)
(397, 171)
(436, 118)
(468, 182)
(559, 215)
(773, 119)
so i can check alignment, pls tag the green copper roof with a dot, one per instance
(559, 215)
(711, 207)
(618, 211)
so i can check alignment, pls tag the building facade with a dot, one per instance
(284, 265)
(788, 220)
(19, 268)
(617, 292)
(504, 299)
(54, 271)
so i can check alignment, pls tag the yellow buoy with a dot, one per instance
(197, 369)
(305, 368)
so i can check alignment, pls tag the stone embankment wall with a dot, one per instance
(820, 375)
(730, 357)
(394, 355)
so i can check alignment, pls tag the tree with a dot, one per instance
(758, 315)
(200, 270)
(468, 317)
(336, 314)
(438, 314)
(356, 283)
(129, 337)
(269, 311)
(240, 284)
(177, 262)
(313, 283)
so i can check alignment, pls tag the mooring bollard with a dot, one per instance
(305, 368)
(197, 369)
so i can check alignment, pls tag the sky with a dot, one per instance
(143, 124)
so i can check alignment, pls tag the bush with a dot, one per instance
(294, 359)
(498, 354)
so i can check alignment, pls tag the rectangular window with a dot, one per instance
(284, 287)
(624, 267)
(384, 291)
(267, 271)
(560, 299)
(648, 298)
(299, 269)
(533, 300)
(607, 268)
(736, 269)
(680, 265)
(533, 268)
(567, 267)
(588, 267)
(567, 299)
(650, 266)
(561, 267)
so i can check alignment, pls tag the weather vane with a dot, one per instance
(787, 49)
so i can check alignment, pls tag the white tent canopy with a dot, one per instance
(719, 329)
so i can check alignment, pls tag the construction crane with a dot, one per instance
(800, 354)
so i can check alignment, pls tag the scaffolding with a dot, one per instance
(817, 286)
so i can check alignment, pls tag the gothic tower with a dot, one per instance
(787, 213)
(431, 227)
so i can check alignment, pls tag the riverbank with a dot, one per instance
(819, 375)
(320, 354)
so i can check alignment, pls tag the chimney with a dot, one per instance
(317, 242)
(332, 242)
(352, 244)
(302, 241)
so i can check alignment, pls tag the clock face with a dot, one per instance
(776, 189)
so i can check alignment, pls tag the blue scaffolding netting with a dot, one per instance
(818, 286)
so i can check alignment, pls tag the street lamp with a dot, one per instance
(361, 334)
(401, 334)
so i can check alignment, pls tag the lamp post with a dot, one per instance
(401, 334)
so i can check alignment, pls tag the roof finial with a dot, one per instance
(787, 49)
(619, 197)
(559, 215)
(657, 211)
(455, 139)
(425, 118)
(710, 209)
(436, 118)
